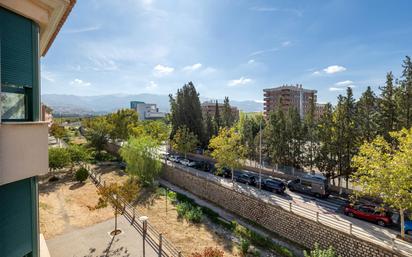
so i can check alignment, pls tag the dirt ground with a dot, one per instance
(64, 207)
(63, 204)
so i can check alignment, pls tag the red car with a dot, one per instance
(370, 213)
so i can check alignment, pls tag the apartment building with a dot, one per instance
(147, 111)
(27, 30)
(288, 96)
(209, 107)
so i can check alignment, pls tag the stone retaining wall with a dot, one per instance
(293, 227)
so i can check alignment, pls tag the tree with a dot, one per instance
(276, 138)
(209, 127)
(142, 159)
(59, 132)
(78, 154)
(58, 158)
(184, 141)
(248, 127)
(366, 116)
(384, 171)
(116, 196)
(158, 130)
(227, 149)
(387, 108)
(310, 146)
(186, 111)
(97, 130)
(217, 119)
(121, 123)
(227, 116)
(405, 95)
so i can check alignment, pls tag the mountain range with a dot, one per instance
(100, 104)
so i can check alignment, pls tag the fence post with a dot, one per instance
(290, 206)
(134, 215)
(160, 245)
(317, 216)
(350, 228)
(180, 254)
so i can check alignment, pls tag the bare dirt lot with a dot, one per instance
(64, 208)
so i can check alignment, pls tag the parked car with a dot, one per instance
(224, 172)
(175, 158)
(246, 179)
(274, 185)
(187, 162)
(369, 212)
(202, 165)
(316, 185)
(123, 165)
(408, 227)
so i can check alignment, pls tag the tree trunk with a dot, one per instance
(115, 220)
(402, 214)
(233, 181)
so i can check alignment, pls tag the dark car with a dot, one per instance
(224, 172)
(202, 165)
(369, 213)
(274, 185)
(246, 179)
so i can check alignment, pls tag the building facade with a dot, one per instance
(209, 107)
(27, 29)
(288, 96)
(147, 111)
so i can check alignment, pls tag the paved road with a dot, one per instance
(307, 206)
(95, 241)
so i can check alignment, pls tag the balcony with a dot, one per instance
(23, 150)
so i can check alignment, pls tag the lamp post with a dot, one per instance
(144, 219)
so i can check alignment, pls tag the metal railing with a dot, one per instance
(387, 241)
(150, 235)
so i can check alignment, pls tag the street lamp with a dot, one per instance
(144, 219)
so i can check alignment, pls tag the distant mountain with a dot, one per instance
(86, 105)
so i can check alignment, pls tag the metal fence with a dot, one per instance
(381, 239)
(150, 235)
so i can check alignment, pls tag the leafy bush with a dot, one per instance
(244, 246)
(208, 252)
(317, 252)
(182, 208)
(81, 174)
(194, 214)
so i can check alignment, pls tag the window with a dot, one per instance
(13, 103)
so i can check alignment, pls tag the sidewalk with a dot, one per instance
(95, 241)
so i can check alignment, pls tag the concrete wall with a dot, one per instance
(286, 224)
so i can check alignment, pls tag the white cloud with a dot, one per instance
(46, 75)
(316, 73)
(79, 82)
(259, 52)
(344, 83)
(239, 82)
(162, 70)
(336, 89)
(193, 67)
(285, 43)
(334, 69)
(251, 61)
(152, 85)
(80, 30)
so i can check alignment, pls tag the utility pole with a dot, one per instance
(260, 152)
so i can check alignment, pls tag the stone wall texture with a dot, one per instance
(288, 225)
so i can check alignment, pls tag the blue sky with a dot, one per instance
(227, 48)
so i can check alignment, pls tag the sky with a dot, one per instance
(232, 48)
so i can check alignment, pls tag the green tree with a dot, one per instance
(248, 127)
(58, 158)
(366, 116)
(78, 154)
(121, 123)
(385, 172)
(59, 132)
(227, 149)
(275, 137)
(310, 136)
(217, 118)
(209, 127)
(186, 111)
(142, 159)
(97, 131)
(116, 195)
(387, 119)
(156, 129)
(184, 141)
(227, 115)
(405, 95)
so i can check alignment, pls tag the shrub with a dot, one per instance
(317, 252)
(244, 246)
(81, 174)
(182, 208)
(194, 214)
(208, 252)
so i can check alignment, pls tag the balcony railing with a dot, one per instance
(23, 150)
